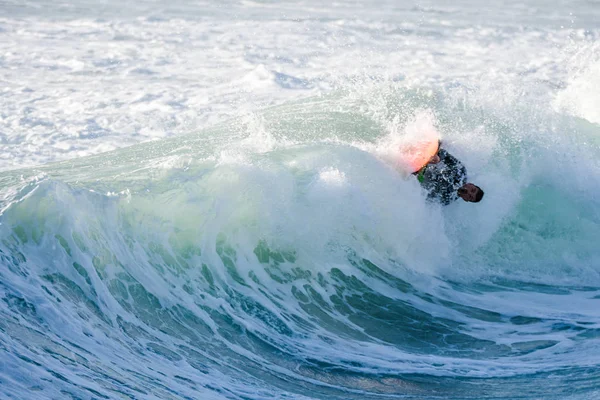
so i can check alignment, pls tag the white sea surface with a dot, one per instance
(84, 77)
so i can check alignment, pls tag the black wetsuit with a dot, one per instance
(443, 179)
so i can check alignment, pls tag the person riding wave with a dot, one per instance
(445, 180)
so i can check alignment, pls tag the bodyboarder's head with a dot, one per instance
(470, 193)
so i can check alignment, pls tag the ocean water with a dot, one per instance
(202, 200)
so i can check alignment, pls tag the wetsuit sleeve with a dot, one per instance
(442, 180)
(454, 168)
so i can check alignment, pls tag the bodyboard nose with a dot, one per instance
(415, 155)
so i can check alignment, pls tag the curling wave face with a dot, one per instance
(283, 255)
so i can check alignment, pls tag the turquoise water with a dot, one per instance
(282, 255)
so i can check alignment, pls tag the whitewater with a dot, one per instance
(204, 201)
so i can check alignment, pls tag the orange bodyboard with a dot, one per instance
(414, 156)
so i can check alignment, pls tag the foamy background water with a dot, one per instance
(86, 77)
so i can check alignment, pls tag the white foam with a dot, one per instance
(581, 97)
(92, 79)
